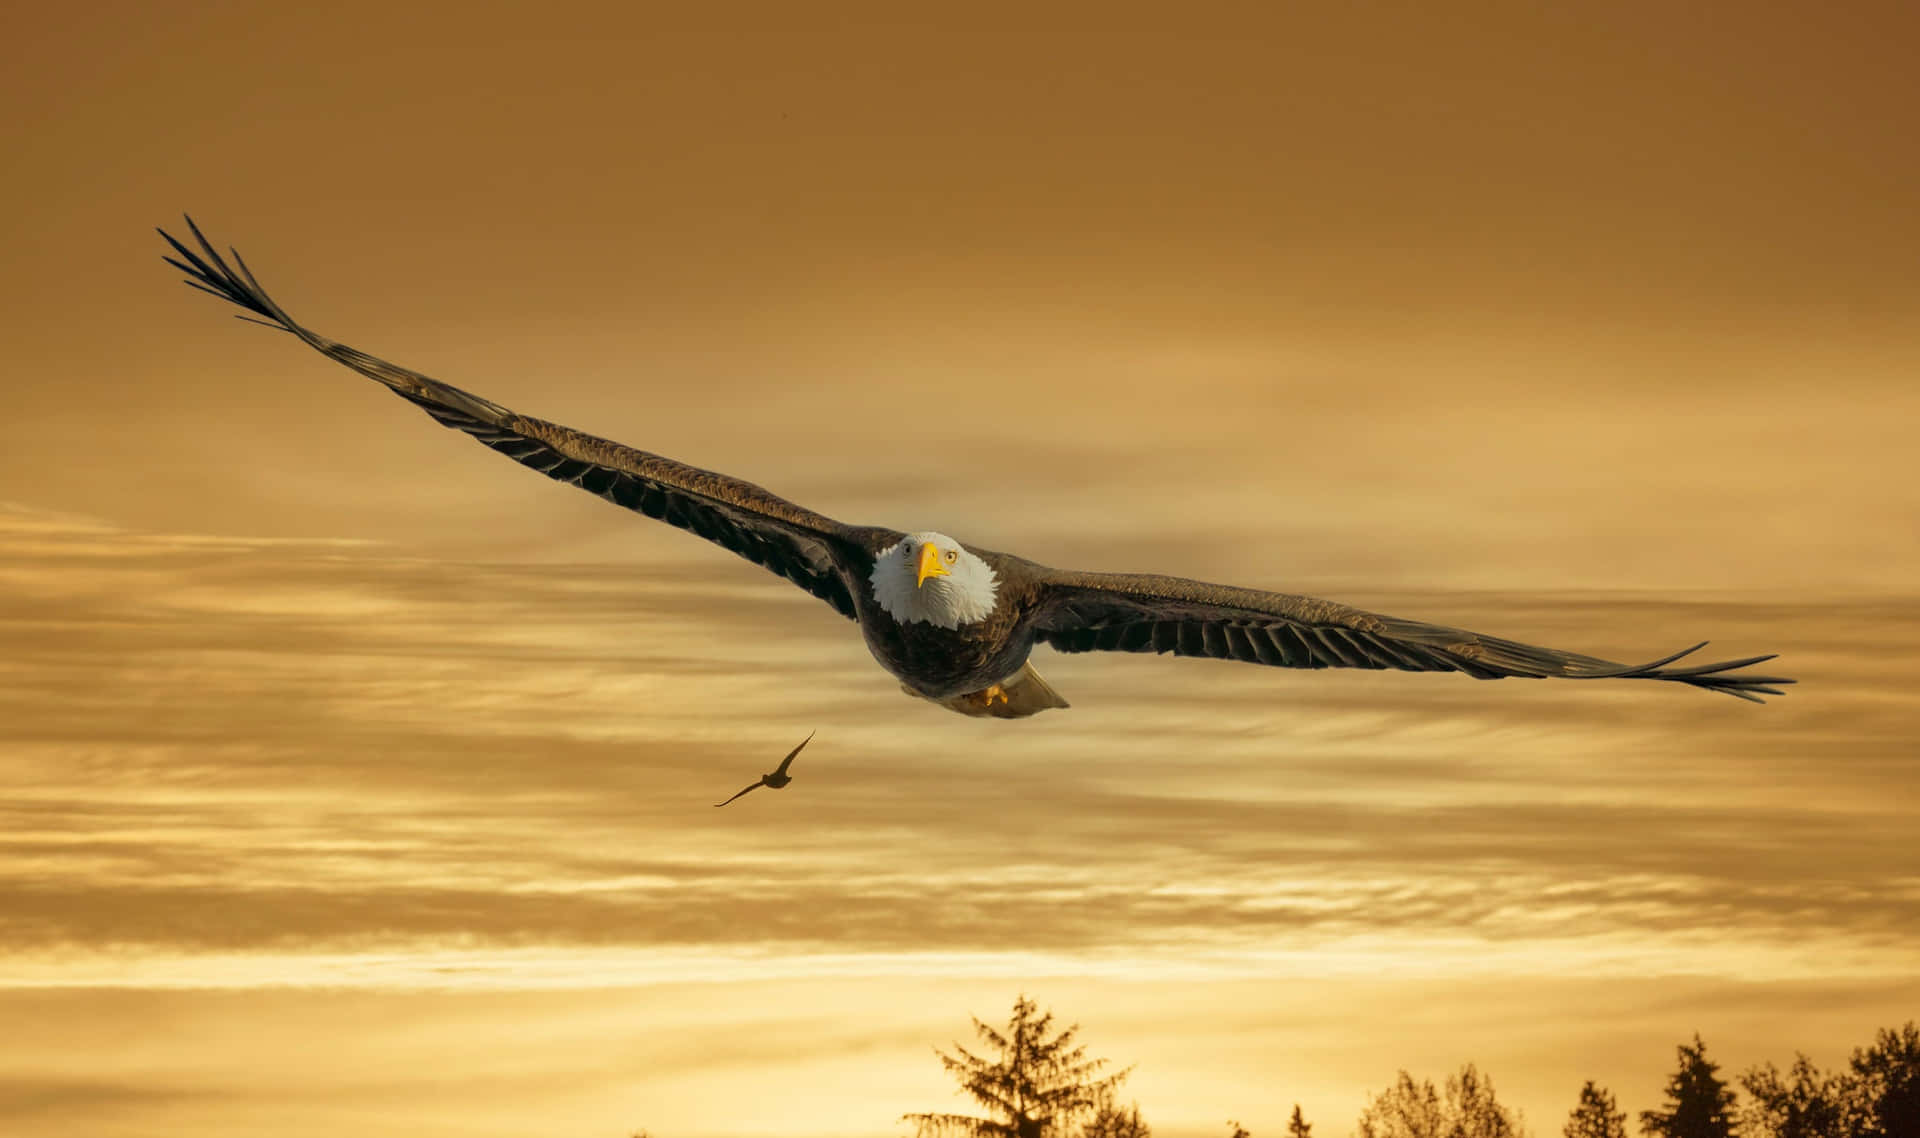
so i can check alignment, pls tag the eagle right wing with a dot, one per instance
(813, 551)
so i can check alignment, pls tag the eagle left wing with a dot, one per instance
(1126, 612)
(809, 549)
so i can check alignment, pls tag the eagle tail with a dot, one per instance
(1017, 697)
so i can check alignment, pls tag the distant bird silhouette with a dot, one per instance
(776, 778)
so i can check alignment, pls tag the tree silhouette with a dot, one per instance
(1477, 1113)
(1109, 1121)
(1037, 1088)
(1887, 1084)
(1597, 1116)
(1699, 1105)
(1814, 1104)
(1416, 1110)
(1298, 1126)
(1404, 1110)
(1112, 1122)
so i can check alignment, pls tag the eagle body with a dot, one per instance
(939, 663)
(956, 624)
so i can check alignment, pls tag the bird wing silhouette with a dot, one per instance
(788, 761)
(754, 786)
(809, 549)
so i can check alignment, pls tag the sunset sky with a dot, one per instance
(354, 781)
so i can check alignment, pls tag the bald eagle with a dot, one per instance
(953, 622)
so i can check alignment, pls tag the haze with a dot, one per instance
(356, 781)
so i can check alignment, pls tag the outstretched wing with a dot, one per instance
(1123, 612)
(755, 786)
(788, 761)
(809, 549)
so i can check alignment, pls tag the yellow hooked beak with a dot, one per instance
(930, 564)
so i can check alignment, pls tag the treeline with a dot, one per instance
(1034, 1082)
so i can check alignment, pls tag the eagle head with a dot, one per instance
(930, 577)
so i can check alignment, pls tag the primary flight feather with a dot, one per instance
(954, 623)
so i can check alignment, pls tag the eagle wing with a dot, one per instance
(811, 550)
(1124, 612)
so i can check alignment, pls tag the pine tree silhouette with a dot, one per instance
(1597, 1116)
(1037, 1088)
(1699, 1105)
(1298, 1126)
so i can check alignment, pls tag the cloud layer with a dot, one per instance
(233, 747)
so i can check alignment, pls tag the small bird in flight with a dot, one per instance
(776, 778)
(955, 623)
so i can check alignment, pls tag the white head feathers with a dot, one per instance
(961, 595)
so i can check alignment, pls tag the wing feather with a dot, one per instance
(809, 549)
(1124, 612)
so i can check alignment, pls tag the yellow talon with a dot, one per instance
(993, 693)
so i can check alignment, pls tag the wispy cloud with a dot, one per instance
(273, 748)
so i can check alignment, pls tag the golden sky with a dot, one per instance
(357, 781)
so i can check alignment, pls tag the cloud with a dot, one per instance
(30, 1100)
(284, 747)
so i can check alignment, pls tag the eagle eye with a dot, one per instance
(952, 556)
